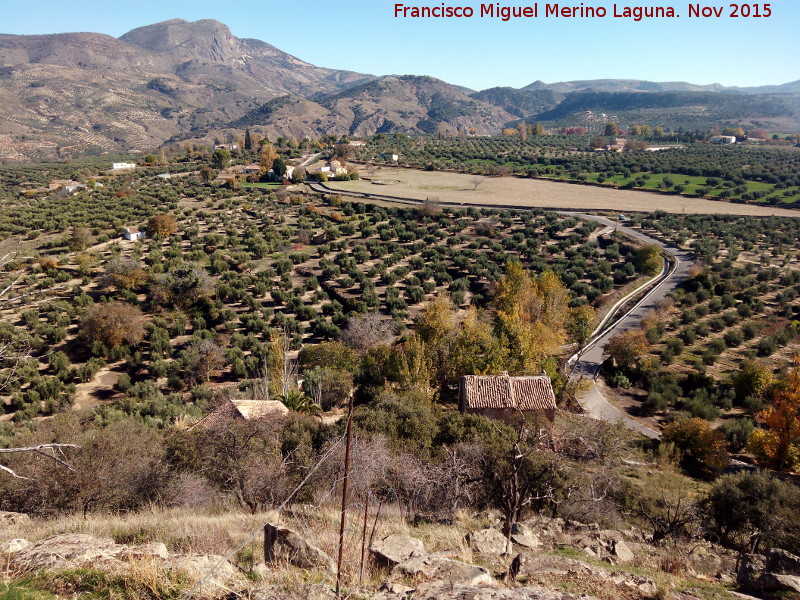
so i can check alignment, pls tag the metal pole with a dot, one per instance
(349, 436)
(364, 540)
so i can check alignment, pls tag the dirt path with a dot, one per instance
(457, 187)
(99, 390)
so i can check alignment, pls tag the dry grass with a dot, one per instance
(456, 187)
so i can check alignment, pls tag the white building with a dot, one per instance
(388, 156)
(132, 233)
(723, 139)
(120, 166)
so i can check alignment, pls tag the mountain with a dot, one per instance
(622, 85)
(408, 103)
(71, 93)
(638, 85)
(689, 110)
(68, 93)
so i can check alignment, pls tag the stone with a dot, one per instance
(524, 536)
(71, 551)
(217, 574)
(282, 544)
(15, 545)
(151, 550)
(396, 548)
(531, 565)
(397, 588)
(622, 551)
(775, 582)
(487, 541)
(451, 571)
(750, 568)
(8, 518)
(260, 570)
(645, 585)
(782, 562)
(446, 591)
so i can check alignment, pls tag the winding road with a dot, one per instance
(586, 363)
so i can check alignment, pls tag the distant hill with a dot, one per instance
(690, 110)
(638, 85)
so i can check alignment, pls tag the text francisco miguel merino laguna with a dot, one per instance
(581, 11)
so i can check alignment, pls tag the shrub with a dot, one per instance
(702, 448)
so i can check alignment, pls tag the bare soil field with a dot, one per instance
(458, 187)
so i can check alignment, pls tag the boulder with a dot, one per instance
(530, 565)
(782, 562)
(437, 568)
(524, 536)
(15, 545)
(770, 583)
(13, 518)
(71, 551)
(151, 550)
(396, 548)
(282, 544)
(487, 541)
(750, 568)
(447, 591)
(622, 551)
(217, 574)
(638, 583)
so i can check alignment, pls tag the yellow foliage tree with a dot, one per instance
(531, 315)
(778, 444)
(627, 347)
(268, 156)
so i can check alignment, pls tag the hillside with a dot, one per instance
(76, 93)
(70, 93)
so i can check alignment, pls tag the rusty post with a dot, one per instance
(345, 478)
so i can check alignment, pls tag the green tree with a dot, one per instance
(220, 158)
(648, 260)
(279, 167)
(248, 140)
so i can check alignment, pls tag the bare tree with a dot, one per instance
(476, 181)
(52, 451)
(367, 331)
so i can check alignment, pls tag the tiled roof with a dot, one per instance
(255, 410)
(502, 391)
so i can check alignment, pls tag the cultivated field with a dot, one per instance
(457, 187)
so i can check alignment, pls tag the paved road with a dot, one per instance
(591, 357)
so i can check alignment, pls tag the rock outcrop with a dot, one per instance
(282, 544)
(438, 568)
(776, 572)
(487, 542)
(396, 548)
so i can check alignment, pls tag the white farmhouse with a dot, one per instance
(723, 139)
(122, 166)
(132, 233)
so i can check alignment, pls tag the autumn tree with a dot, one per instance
(124, 274)
(611, 129)
(474, 349)
(627, 347)
(113, 324)
(363, 332)
(648, 260)
(531, 315)
(702, 448)
(778, 444)
(161, 225)
(522, 128)
(580, 324)
(268, 156)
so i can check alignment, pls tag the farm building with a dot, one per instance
(501, 396)
(242, 410)
(122, 166)
(132, 233)
(389, 157)
(723, 139)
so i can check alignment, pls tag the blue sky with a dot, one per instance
(477, 53)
